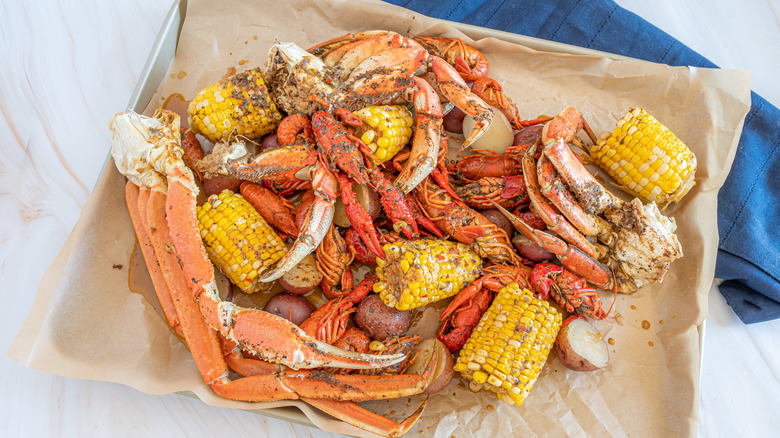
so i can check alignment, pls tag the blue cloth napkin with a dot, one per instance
(749, 202)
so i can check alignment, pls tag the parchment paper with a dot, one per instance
(86, 323)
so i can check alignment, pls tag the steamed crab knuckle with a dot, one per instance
(646, 249)
(295, 76)
(146, 149)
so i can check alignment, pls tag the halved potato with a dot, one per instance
(443, 373)
(303, 277)
(581, 347)
(498, 137)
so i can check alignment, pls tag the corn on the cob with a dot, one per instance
(237, 105)
(385, 129)
(646, 159)
(419, 272)
(510, 344)
(238, 240)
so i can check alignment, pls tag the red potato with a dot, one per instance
(269, 142)
(291, 307)
(581, 347)
(453, 121)
(531, 251)
(528, 136)
(217, 184)
(499, 219)
(380, 321)
(443, 374)
(303, 277)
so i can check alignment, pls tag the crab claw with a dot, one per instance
(456, 91)
(277, 340)
(316, 224)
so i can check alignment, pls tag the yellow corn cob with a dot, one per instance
(237, 105)
(646, 159)
(238, 240)
(419, 272)
(386, 129)
(510, 344)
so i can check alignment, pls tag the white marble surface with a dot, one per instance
(65, 69)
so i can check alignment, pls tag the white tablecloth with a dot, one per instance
(66, 69)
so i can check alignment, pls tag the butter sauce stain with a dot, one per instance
(176, 103)
(140, 282)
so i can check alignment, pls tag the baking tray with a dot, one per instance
(164, 50)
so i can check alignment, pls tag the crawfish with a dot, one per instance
(333, 260)
(508, 192)
(329, 322)
(568, 289)
(276, 210)
(466, 308)
(402, 344)
(473, 167)
(465, 224)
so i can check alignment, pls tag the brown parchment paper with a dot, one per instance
(86, 323)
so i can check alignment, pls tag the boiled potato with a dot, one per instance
(303, 277)
(531, 251)
(293, 308)
(498, 137)
(581, 347)
(453, 121)
(443, 373)
(381, 321)
(498, 218)
(215, 185)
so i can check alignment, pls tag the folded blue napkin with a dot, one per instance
(749, 202)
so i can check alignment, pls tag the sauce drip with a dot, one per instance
(176, 103)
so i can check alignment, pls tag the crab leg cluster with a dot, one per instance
(147, 151)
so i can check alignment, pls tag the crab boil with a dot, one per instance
(338, 113)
